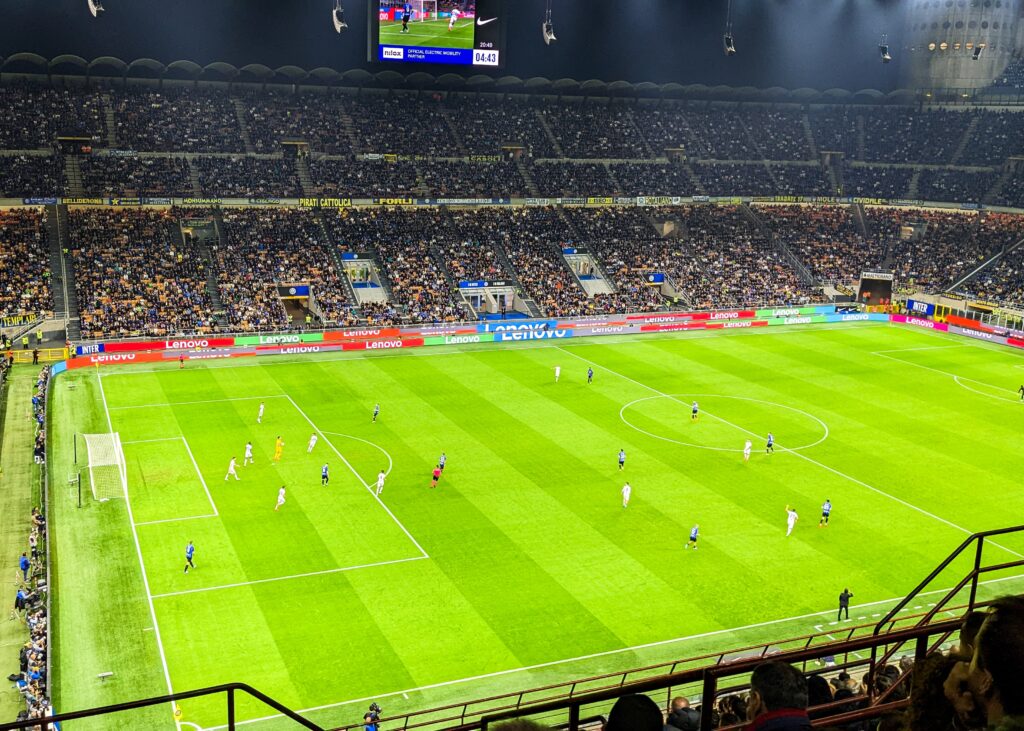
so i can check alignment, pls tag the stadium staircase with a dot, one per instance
(860, 219)
(915, 184)
(60, 242)
(110, 120)
(524, 171)
(697, 185)
(835, 173)
(212, 290)
(454, 131)
(995, 258)
(861, 144)
(334, 252)
(243, 124)
(925, 621)
(510, 271)
(649, 150)
(997, 187)
(193, 177)
(58, 277)
(551, 135)
(73, 176)
(805, 120)
(799, 268)
(350, 130)
(305, 178)
(961, 148)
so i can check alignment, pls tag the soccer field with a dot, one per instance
(430, 33)
(522, 567)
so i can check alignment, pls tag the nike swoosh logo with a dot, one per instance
(481, 21)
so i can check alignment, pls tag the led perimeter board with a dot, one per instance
(446, 32)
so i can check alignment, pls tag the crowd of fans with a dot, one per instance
(954, 185)
(179, 120)
(347, 178)
(448, 179)
(1012, 76)
(1012, 193)
(572, 179)
(248, 177)
(31, 176)
(32, 586)
(485, 126)
(652, 179)
(875, 182)
(24, 261)
(135, 276)
(319, 120)
(136, 176)
(34, 116)
(595, 131)
(266, 247)
(974, 686)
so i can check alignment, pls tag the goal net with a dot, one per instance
(425, 9)
(107, 475)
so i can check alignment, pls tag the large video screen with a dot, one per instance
(457, 32)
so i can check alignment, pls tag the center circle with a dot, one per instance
(659, 416)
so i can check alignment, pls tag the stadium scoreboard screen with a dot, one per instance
(453, 32)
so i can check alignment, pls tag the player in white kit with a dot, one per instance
(791, 519)
(259, 416)
(746, 450)
(248, 455)
(455, 16)
(558, 372)
(626, 492)
(312, 443)
(231, 469)
(280, 498)
(380, 482)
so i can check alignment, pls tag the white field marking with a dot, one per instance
(142, 564)
(391, 462)
(150, 441)
(189, 723)
(201, 480)
(339, 570)
(713, 395)
(147, 629)
(606, 653)
(956, 378)
(189, 403)
(361, 480)
(960, 382)
(175, 520)
(820, 628)
(806, 458)
(496, 347)
(926, 347)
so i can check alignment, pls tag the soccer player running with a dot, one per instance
(312, 443)
(1021, 392)
(826, 509)
(280, 499)
(380, 482)
(770, 447)
(442, 461)
(325, 476)
(455, 16)
(590, 377)
(248, 455)
(376, 412)
(694, 412)
(622, 458)
(231, 469)
(278, 448)
(558, 373)
(190, 551)
(694, 533)
(435, 476)
(406, 15)
(791, 519)
(627, 492)
(259, 416)
(747, 446)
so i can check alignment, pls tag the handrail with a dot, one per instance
(228, 688)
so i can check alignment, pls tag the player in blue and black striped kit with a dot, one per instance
(694, 533)
(189, 552)
(406, 15)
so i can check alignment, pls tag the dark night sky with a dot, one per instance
(790, 43)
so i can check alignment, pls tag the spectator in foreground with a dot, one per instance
(778, 699)
(991, 683)
(682, 717)
(635, 713)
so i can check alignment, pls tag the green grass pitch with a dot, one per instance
(429, 33)
(522, 567)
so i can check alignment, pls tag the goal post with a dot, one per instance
(107, 475)
(426, 9)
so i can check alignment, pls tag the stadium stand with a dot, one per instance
(486, 125)
(1012, 76)
(248, 177)
(136, 176)
(888, 183)
(1012, 193)
(652, 179)
(348, 178)
(24, 261)
(954, 185)
(401, 125)
(451, 179)
(30, 175)
(317, 119)
(134, 276)
(595, 131)
(180, 120)
(572, 179)
(35, 115)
